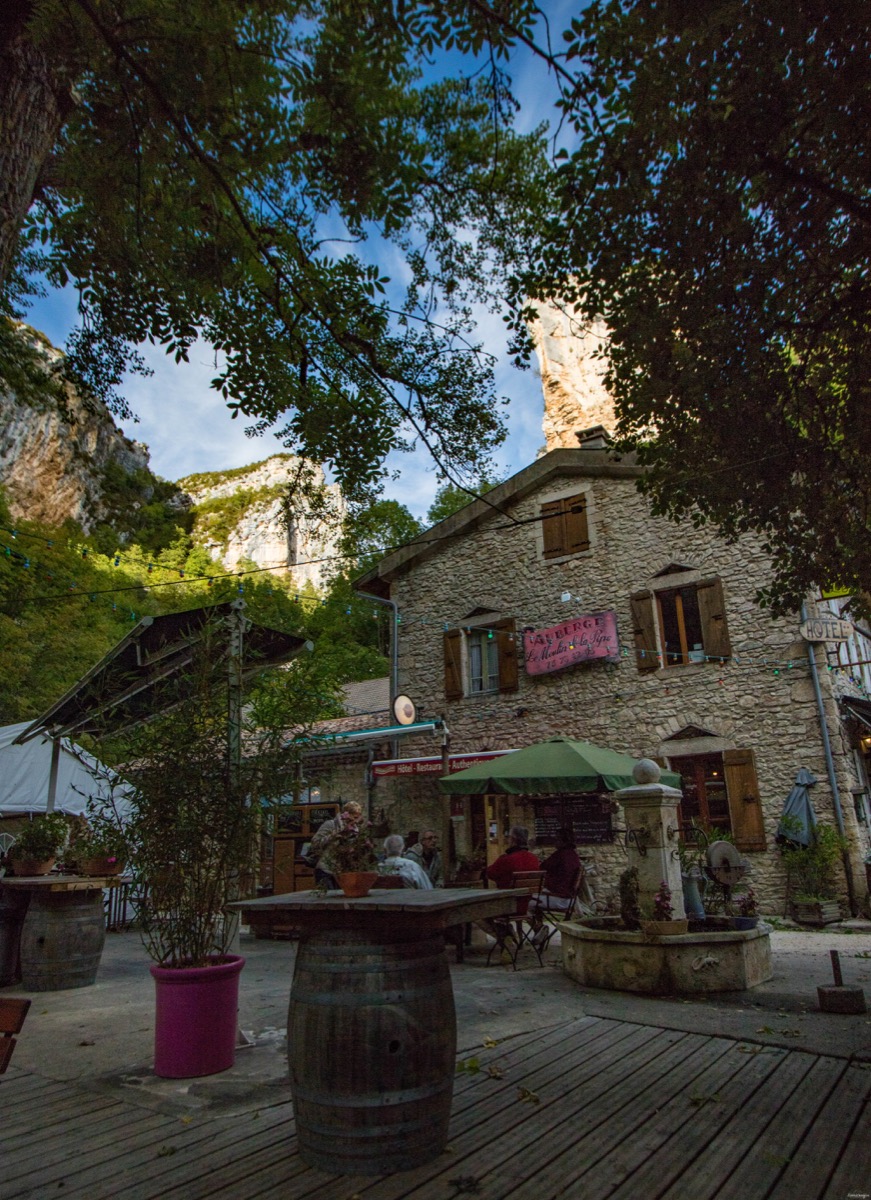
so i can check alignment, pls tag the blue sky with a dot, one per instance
(187, 427)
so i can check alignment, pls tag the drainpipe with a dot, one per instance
(830, 768)
(394, 657)
(394, 643)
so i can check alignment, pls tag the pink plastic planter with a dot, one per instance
(195, 1020)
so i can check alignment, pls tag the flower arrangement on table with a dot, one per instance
(663, 909)
(97, 842)
(352, 849)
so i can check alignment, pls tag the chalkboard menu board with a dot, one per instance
(588, 816)
(304, 818)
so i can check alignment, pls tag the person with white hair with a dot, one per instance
(413, 875)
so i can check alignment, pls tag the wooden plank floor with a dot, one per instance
(590, 1109)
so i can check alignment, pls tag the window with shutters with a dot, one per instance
(480, 659)
(682, 625)
(564, 526)
(483, 652)
(720, 792)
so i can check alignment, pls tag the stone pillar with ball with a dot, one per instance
(652, 832)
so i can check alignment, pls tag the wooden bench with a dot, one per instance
(12, 1014)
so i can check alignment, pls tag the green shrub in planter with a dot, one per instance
(43, 838)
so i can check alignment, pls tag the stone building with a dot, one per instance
(558, 605)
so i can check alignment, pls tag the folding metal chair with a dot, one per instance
(540, 926)
(508, 930)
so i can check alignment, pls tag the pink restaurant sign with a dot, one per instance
(582, 639)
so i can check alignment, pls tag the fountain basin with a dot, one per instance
(620, 960)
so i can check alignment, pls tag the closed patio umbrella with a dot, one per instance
(556, 767)
(798, 819)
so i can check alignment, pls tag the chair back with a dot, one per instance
(13, 1010)
(389, 881)
(533, 881)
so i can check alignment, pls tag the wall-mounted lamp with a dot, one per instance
(566, 597)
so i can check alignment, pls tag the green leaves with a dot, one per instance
(238, 172)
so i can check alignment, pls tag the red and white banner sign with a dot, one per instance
(432, 766)
(581, 639)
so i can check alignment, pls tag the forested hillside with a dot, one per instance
(64, 602)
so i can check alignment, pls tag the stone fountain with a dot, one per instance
(632, 961)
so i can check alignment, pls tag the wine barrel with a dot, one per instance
(371, 1035)
(62, 940)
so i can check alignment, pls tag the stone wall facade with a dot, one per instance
(492, 568)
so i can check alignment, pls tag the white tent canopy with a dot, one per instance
(25, 775)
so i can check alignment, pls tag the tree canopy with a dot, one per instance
(224, 170)
(239, 171)
(714, 207)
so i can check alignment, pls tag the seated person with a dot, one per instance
(518, 857)
(560, 871)
(426, 852)
(413, 875)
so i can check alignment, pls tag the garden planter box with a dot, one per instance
(816, 912)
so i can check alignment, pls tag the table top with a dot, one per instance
(433, 909)
(59, 883)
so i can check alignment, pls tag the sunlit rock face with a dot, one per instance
(62, 460)
(245, 516)
(54, 464)
(572, 371)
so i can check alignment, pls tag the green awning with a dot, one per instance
(556, 767)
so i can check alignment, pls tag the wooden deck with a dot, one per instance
(585, 1110)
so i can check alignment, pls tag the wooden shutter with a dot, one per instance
(577, 537)
(453, 665)
(553, 528)
(745, 807)
(644, 631)
(712, 610)
(506, 642)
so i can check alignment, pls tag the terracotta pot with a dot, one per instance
(99, 866)
(32, 866)
(663, 928)
(355, 884)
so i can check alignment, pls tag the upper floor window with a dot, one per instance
(680, 625)
(483, 651)
(564, 526)
(480, 659)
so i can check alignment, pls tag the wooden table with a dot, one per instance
(57, 936)
(371, 1024)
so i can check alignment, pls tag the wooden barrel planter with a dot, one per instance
(62, 940)
(371, 1038)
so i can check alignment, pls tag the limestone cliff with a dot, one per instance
(244, 514)
(57, 464)
(62, 457)
(575, 397)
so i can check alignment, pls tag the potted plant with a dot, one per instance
(812, 877)
(662, 922)
(352, 855)
(748, 911)
(37, 846)
(630, 910)
(199, 774)
(97, 845)
(470, 867)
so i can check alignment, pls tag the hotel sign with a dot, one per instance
(826, 629)
(581, 639)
